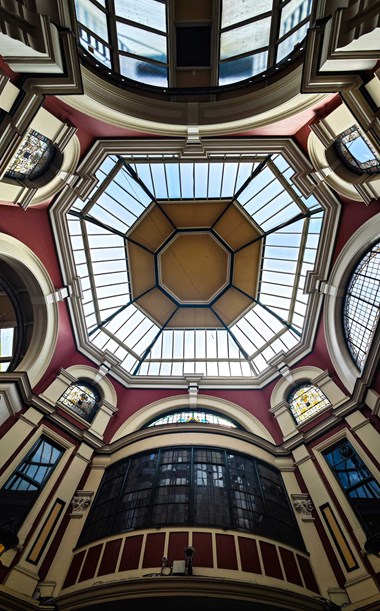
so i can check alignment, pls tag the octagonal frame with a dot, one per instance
(259, 149)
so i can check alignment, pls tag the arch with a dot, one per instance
(306, 401)
(285, 385)
(356, 247)
(45, 315)
(90, 373)
(224, 407)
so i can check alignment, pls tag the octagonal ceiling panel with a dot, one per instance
(235, 229)
(217, 319)
(194, 214)
(194, 267)
(157, 306)
(141, 264)
(198, 318)
(152, 230)
(231, 305)
(246, 268)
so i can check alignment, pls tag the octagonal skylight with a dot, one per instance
(285, 225)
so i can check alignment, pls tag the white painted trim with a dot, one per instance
(224, 407)
(45, 315)
(355, 248)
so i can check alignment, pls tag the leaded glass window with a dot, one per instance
(356, 151)
(32, 157)
(81, 398)
(192, 486)
(193, 416)
(358, 484)
(361, 306)
(307, 401)
(25, 484)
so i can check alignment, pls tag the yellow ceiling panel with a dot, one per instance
(157, 306)
(231, 305)
(141, 265)
(194, 214)
(198, 318)
(235, 228)
(246, 268)
(152, 230)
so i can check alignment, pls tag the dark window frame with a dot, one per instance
(12, 498)
(227, 501)
(365, 506)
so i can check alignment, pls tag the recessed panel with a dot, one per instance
(194, 214)
(157, 306)
(153, 229)
(141, 265)
(231, 305)
(246, 268)
(235, 228)
(194, 318)
(194, 267)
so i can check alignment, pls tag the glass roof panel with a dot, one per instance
(245, 38)
(146, 12)
(94, 19)
(284, 224)
(141, 42)
(235, 11)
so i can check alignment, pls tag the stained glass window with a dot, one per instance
(356, 151)
(32, 157)
(361, 306)
(24, 485)
(193, 416)
(82, 399)
(358, 484)
(209, 487)
(306, 401)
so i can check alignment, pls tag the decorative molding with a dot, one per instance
(304, 506)
(80, 503)
(258, 148)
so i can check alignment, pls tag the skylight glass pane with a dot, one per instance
(141, 42)
(240, 69)
(244, 39)
(293, 13)
(146, 12)
(360, 150)
(234, 11)
(94, 45)
(92, 17)
(143, 71)
(287, 46)
(6, 342)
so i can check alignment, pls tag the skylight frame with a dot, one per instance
(241, 356)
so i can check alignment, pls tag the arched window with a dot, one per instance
(82, 398)
(306, 401)
(16, 318)
(361, 305)
(32, 157)
(193, 416)
(192, 486)
(356, 151)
